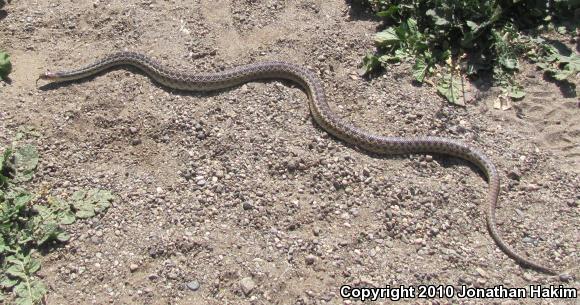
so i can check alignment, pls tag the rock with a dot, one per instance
(133, 130)
(514, 174)
(193, 285)
(247, 285)
(529, 240)
(310, 259)
(465, 280)
(566, 278)
(133, 267)
(292, 165)
(247, 205)
(572, 203)
(528, 277)
(316, 231)
(531, 187)
(481, 272)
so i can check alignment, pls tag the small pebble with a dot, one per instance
(193, 285)
(566, 278)
(247, 285)
(528, 277)
(531, 187)
(316, 231)
(481, 272)
(514, 174)
(247, 206)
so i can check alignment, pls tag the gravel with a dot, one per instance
(241, 191)
(247, 285)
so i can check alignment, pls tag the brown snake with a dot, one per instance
(321, 112)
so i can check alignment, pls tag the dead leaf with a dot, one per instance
(502, 102)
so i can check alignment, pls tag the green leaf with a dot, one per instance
(389, 12)
(33, 266)
(436, 18)
(22, 199)
(30, 292)
(101, 198)
(17, 270)
(450, 88)
(8, 282)
(89, 203)
(63, 236)
(84, 211)
(5, 166)
(370, 64)
(412, 26)
(420, 69)
(388, 37)
(386, 59)
(79, 195)
(516, 92)
(47, 231)
(67, 218)
(571, 67)
(3, 245)
(472, 25)
(4, 157)
(401, 54)
(60, 211)
(25, 161)
(5, 65)
(561, 75)
(509, 63)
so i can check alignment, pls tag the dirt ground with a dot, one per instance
(241, 193)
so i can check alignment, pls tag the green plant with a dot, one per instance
(28, 223)
(454, 39)
(3, 2)
(5, 65)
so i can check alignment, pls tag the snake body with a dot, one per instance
(322, 114)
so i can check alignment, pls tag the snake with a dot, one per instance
(320, 111)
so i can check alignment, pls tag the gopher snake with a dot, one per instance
(321, 112)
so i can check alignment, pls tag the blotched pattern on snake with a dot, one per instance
(321, 112)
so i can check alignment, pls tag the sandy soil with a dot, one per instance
(242, 193)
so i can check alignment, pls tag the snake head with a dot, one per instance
(47, 75)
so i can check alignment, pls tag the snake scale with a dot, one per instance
(322, 114)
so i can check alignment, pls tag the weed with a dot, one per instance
(28, 223)
(453, 39)
(5, 65)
